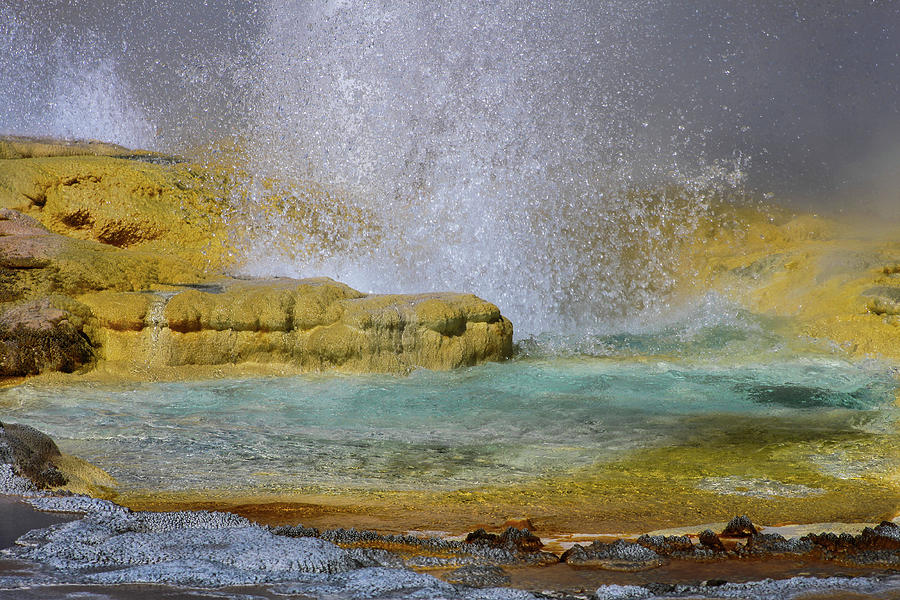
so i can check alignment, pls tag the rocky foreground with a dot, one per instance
(110, 545)
(111, 257)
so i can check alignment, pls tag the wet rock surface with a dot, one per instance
(112, 545)
(185, 548)
(36, 337)
(676, 546)
(512, 547)
(512, 539)
(878, 545)
(32, 457)
(30, 454)
(317, 324)
(740, 527)
(710, 541)
(772, 544)
(768, 589)
(478, 576)
(615, 556)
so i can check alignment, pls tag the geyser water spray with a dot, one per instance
(550, 157)
(493, 147)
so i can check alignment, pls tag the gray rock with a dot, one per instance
(497, 550)
(378, 583)
(14, 485)
(36, 337)
(118, 547)
(616, 556)
(679, 545)
(374, 582)
(377, 557)
(772, 544)
(30, 453)
(112, 545)
(740, 526)
(783, 589)
(710, 541)
(74, 504)
(621, 592)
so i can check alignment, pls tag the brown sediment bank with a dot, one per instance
(728, 566)
(400, 512)
(569, 580)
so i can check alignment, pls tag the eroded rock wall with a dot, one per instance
(316, 324)
(67, 303)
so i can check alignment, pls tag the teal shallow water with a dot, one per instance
(492, 424)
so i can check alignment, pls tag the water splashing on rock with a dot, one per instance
(495, 148)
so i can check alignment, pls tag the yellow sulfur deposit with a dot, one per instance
(835, 281)
(173, 209)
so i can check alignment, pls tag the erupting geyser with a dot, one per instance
(516, 149)
(492, 146)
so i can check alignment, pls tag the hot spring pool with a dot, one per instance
(811, 432)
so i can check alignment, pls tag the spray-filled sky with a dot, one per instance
(807, 88)
(489, 142)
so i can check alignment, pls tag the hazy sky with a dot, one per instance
(815, 83)
(809, 89)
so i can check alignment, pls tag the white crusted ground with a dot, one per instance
(113, 545)
(767, 589)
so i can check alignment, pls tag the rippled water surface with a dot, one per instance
(497, 423)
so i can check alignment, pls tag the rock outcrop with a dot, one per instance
(35, 456)
(316, 324)
(41, 275)
(119, 198)
(36, 336)
(31, 454)
(108, 256)
(67, 302)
